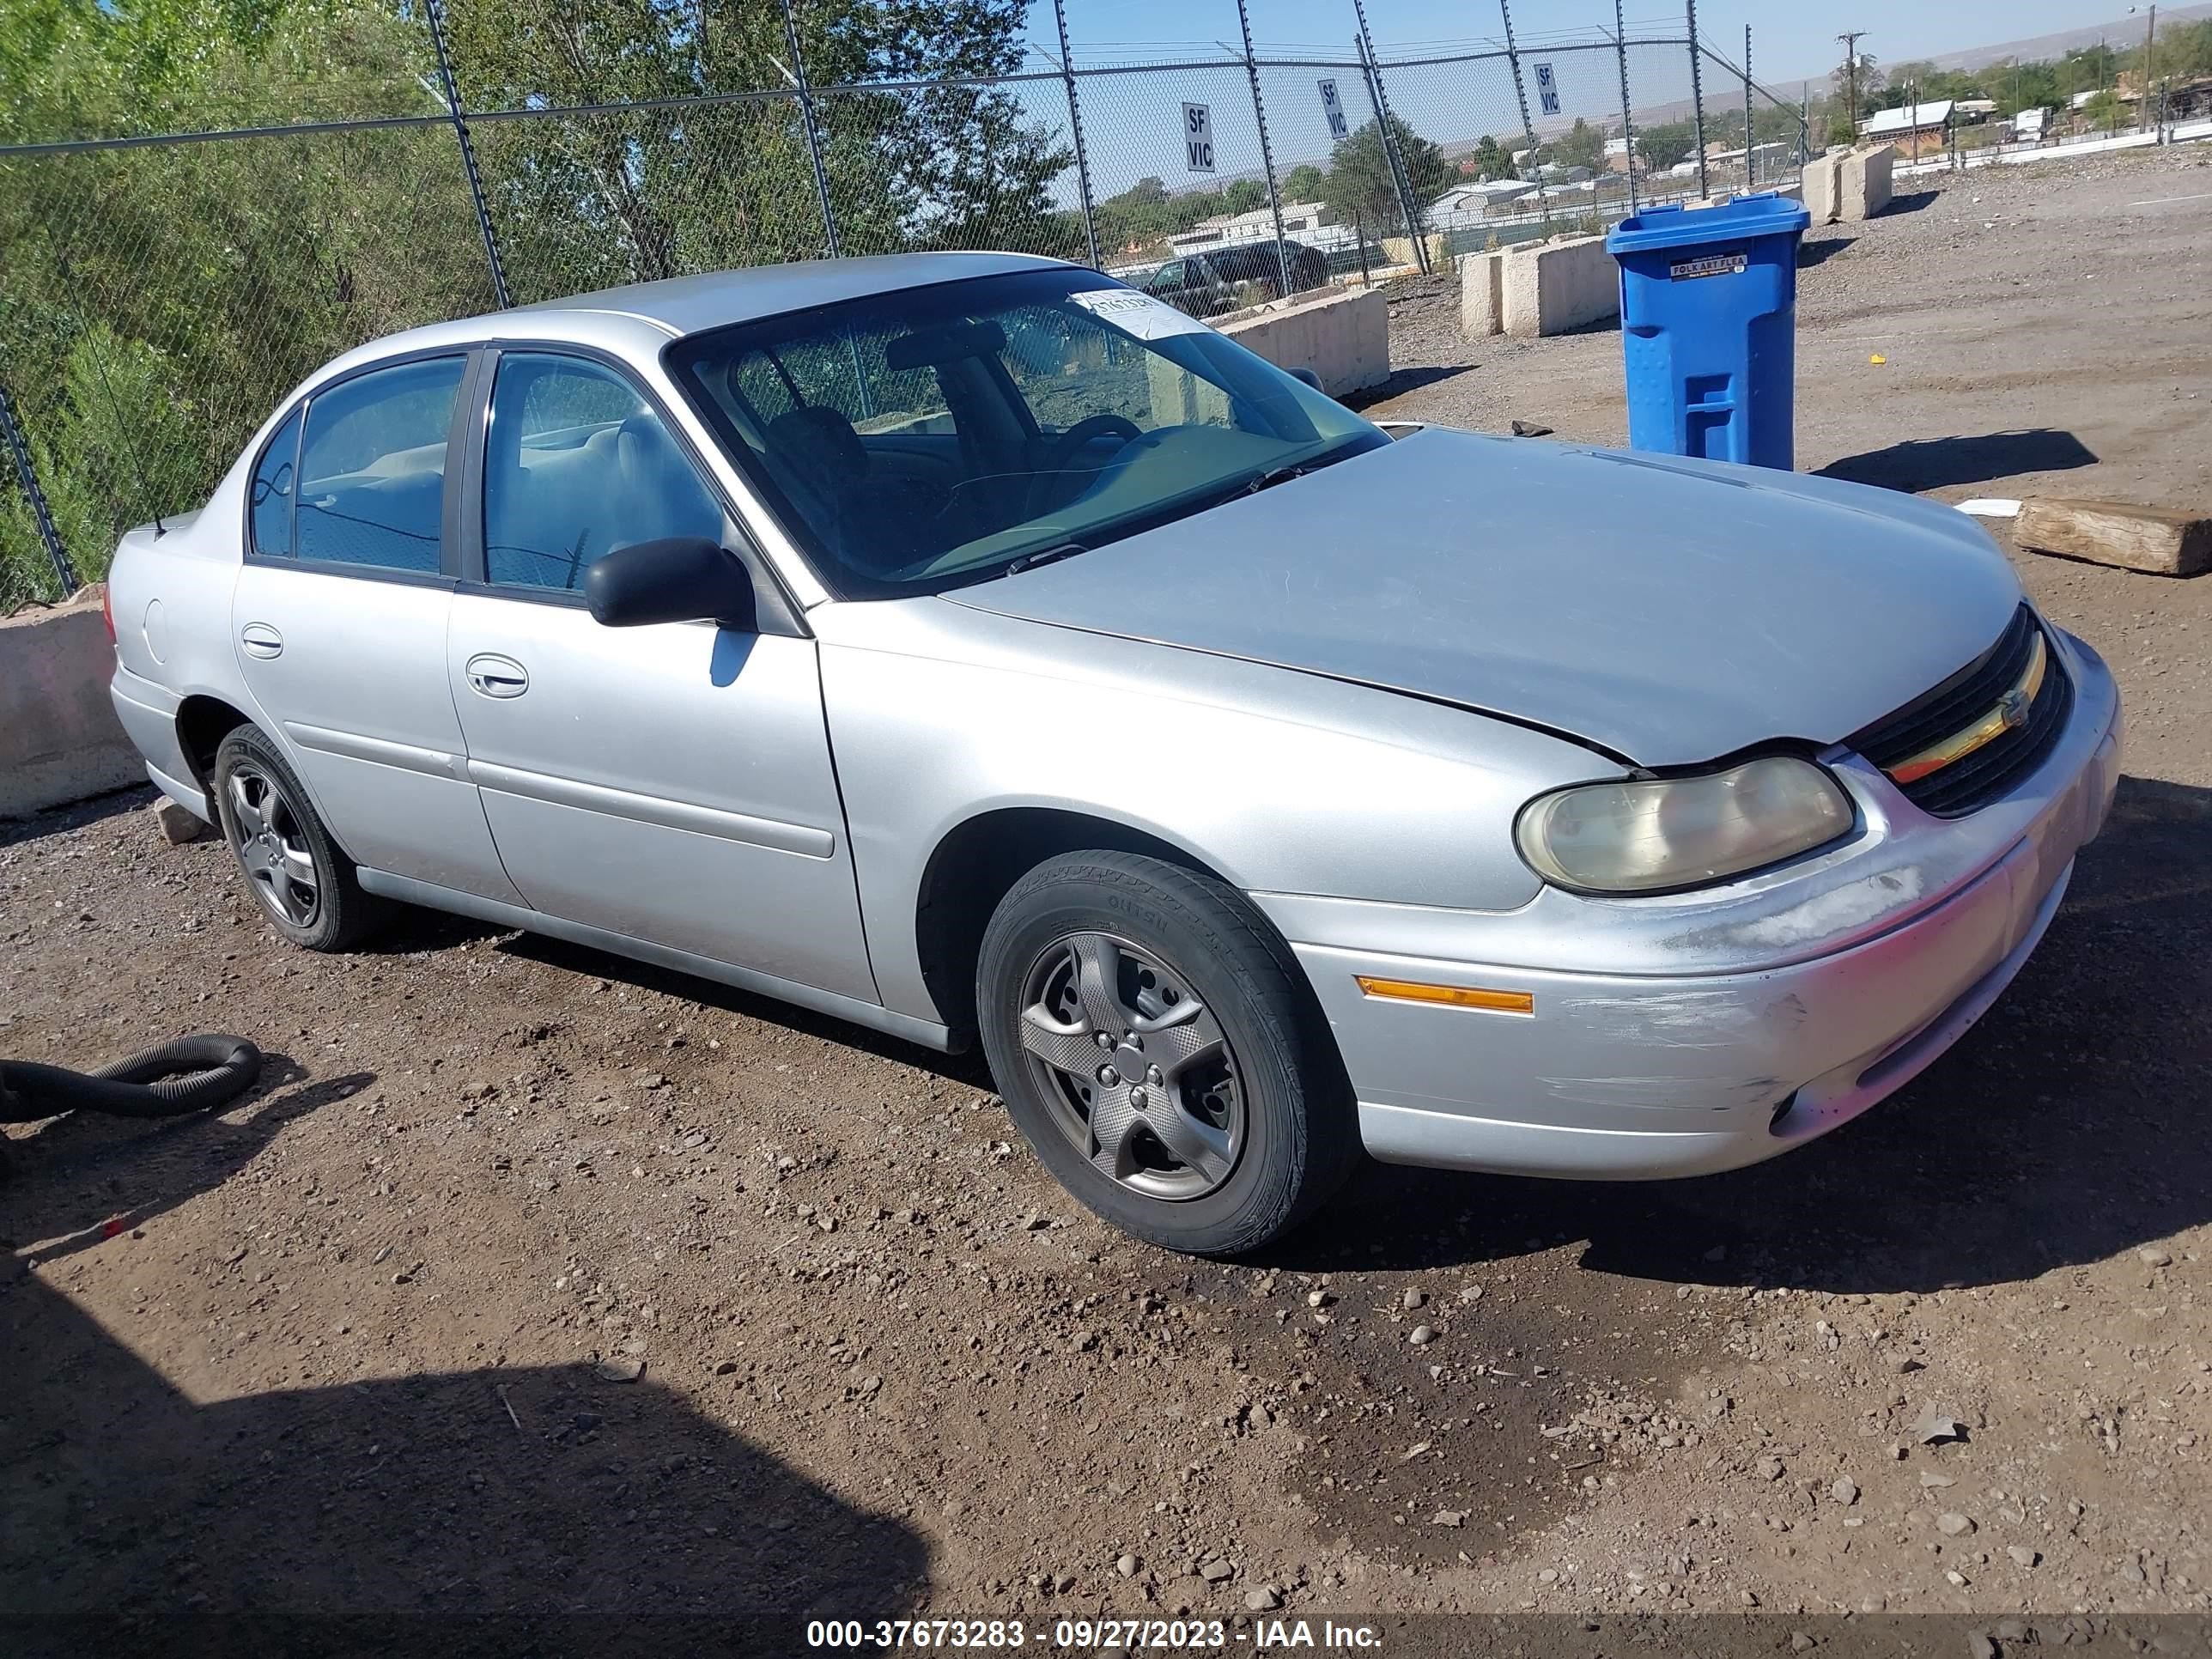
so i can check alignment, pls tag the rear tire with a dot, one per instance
(305, 887)
(1218, 1117)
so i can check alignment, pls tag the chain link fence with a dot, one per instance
(161, 291)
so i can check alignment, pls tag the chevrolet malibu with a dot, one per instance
(973, 648)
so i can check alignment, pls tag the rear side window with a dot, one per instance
(372, 476)
(273, 492)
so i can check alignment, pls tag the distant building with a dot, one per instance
(1976, 109)
(1927, 120)
(2028, 124)
(1258, 225)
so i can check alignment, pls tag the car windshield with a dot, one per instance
(925, 438)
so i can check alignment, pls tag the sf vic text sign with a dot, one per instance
(1198, 136)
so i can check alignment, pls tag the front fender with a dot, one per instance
(1282, 782)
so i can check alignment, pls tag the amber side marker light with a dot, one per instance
(1450, 996)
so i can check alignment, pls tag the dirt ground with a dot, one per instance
(348, 1359)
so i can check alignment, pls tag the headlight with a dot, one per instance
(1641, 836)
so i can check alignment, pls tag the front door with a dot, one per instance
(672, 783)
(339, 620)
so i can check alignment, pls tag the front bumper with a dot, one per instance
(1696, 1032)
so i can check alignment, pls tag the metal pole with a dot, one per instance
(1075, 124)
(1390, 154)
(1750, 176)
(1804, 122)
(1698, 101)
(64, 571)
(2150, 55)
(1627, 124)
(1387, 127)
(1912, 92)
(813, 137)
(1528, 131)
(1266, 152)
(433, 14)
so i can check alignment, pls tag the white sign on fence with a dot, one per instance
(1198, 136)
(1547, 90)
(1334, 109)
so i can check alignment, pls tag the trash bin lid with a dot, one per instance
(1673, 225)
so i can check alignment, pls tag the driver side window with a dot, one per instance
(578, 464)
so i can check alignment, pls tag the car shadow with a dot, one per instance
(1932, 463)
(524, 1510)
(968, 1069)
(2061, 1131)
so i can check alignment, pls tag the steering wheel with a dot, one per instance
(1066, 446)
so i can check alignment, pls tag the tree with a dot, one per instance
(1303, 183)
(1868, 78)
(1361, 186)
(1583, 145)
(1488, 161)
(1660, 146)
(1242, 196)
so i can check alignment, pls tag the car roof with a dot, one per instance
(645, 316)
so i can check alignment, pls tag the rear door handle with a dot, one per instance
(492, 676)
(260, 640)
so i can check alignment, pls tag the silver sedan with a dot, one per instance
(975, 649)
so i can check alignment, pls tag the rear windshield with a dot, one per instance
(925, 438)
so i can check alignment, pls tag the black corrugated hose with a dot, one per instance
(189, 1075)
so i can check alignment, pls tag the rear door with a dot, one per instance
(672, 783)
(340, 613)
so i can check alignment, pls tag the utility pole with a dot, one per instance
(2150, 54)
(1850, 40)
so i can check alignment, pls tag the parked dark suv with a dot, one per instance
(1207, 284)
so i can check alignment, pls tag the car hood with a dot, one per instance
(1670, 612)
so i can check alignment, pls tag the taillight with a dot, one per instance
(108, 610)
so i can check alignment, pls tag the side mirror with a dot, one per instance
(1306, 374)
(680, 579)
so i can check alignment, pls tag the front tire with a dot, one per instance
(1161, 1053)
(305, 885)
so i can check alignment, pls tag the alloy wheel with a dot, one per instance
(1139, 1074)
(272, 847)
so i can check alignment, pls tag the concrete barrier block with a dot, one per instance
(1482, 294)
(1823, 179)
(1550, 287)
(1863, 187)
(1343, 336)
(59, 739)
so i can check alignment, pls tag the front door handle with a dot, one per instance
(492, 676)
(260, 640)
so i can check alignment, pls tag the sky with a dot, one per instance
(1791, 40)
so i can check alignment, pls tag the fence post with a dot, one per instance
(1750, 176)
(1698, 101)
(1804, 123)
(813, 135)
(1528, 131)
(64, 571)
(1075, 125)
(1628, 123)
(1379, 95)
(1267, 151)
(434, 14)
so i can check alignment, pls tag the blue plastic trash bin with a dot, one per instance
(1708, 321)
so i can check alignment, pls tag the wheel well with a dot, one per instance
(202, 723)
(978, 864)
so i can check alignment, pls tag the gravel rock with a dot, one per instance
(1263, 1598)
(1126, 1566)
(2152, 1255)
(1845, 1491)
(2022, 1556)
(1951, 1524)
(1422, 1336)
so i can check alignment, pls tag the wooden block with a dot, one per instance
(2165, 541)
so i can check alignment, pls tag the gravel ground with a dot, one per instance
(537, 1300)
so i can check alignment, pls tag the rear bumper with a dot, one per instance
(1828, 990)
(148, 714)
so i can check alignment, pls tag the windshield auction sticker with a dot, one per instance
(1137, 313)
